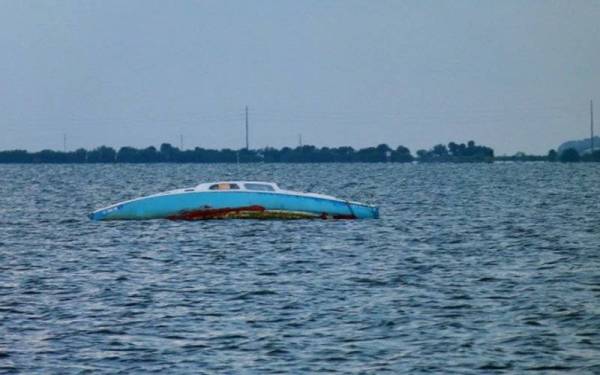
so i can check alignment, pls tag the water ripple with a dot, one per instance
(471, 269)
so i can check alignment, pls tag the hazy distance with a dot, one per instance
(513, 75)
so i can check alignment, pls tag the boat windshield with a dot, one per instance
(259, 187)
(224, 186)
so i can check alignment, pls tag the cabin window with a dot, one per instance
(259, 187)
(224, 186)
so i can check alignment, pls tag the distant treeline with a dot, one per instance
(453, 153)
(303, 154)
(457, 153)
(569, 155)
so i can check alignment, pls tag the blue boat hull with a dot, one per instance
(234, 204)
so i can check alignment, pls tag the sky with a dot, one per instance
(513, 75)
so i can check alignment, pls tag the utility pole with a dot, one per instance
(592, 124)
(247, 143)
(181, 142)
(65, 142)
(300, 140)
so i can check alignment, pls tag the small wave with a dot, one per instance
(256, 293)
(550, 368)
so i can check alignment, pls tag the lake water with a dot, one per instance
(488, 268)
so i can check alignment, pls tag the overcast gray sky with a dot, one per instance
(515, 75)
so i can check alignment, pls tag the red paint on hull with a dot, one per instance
(214, 213)
(250, 212)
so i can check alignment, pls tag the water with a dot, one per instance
(471, 269)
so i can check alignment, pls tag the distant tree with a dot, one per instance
(271, 155)
(373, 154)
(589, 156)
(569, 155)
(169, 153)
(15, 156)
(346, 153)
(453, 148)
(402, 155)
(422, 154)
(552, 155)
(129, 155)
(150, 155)
(440, 150)
(326, 155)
(457, 153)
(49, 156)
(102, 154)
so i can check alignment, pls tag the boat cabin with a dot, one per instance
(239, 185)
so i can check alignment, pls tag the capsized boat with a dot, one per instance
(235, 200)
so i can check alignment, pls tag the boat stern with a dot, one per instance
(364, 211)
(375, 211)
(106, 213)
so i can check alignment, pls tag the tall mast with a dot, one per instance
(247, 145)
(592, 124)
